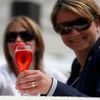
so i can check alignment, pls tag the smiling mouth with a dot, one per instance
(78, 40)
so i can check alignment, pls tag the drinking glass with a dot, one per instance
(23, 57)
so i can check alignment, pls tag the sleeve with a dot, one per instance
(60, 89)
(66, 90)
(53, 87)
(5, 87)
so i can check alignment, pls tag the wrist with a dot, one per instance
(45, 94)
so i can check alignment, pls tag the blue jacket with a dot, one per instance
(86, 83)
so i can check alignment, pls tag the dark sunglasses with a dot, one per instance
(25, 36)
(79, 24)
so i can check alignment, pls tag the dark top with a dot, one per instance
(86, 83)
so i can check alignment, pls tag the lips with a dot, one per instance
(78, 41)
(15, 45)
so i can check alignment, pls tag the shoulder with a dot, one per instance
(4, 69)
(7, 81)
(3, 77)
(6, 73)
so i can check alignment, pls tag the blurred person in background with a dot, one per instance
(78, 24)
(23, 29)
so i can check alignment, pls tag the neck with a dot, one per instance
(82, 56)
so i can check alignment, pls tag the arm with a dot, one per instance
(7, 81)
(60, 89)
(66, 90)
(5, 87)
(44, 85)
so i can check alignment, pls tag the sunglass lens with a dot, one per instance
(64, 29)
(26, 36)
(11, 37)
(82, 24)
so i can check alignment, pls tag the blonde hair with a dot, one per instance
(84, 8)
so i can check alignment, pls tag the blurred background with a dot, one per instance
(57, 55)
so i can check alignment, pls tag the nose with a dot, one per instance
(74, 32)
(18, 39)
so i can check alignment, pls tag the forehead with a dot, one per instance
(16, 26)
(65, 15)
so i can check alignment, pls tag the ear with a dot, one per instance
(97, 24)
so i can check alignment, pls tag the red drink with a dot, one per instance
(23, 58)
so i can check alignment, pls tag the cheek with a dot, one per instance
(93, 33)
(33, 46)
(65, 39)
(11, 52)
(33, 49)
(94, 28)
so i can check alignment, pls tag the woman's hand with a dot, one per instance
(33, 82)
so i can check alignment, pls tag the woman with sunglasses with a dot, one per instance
(23, 29)
(77, 22)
